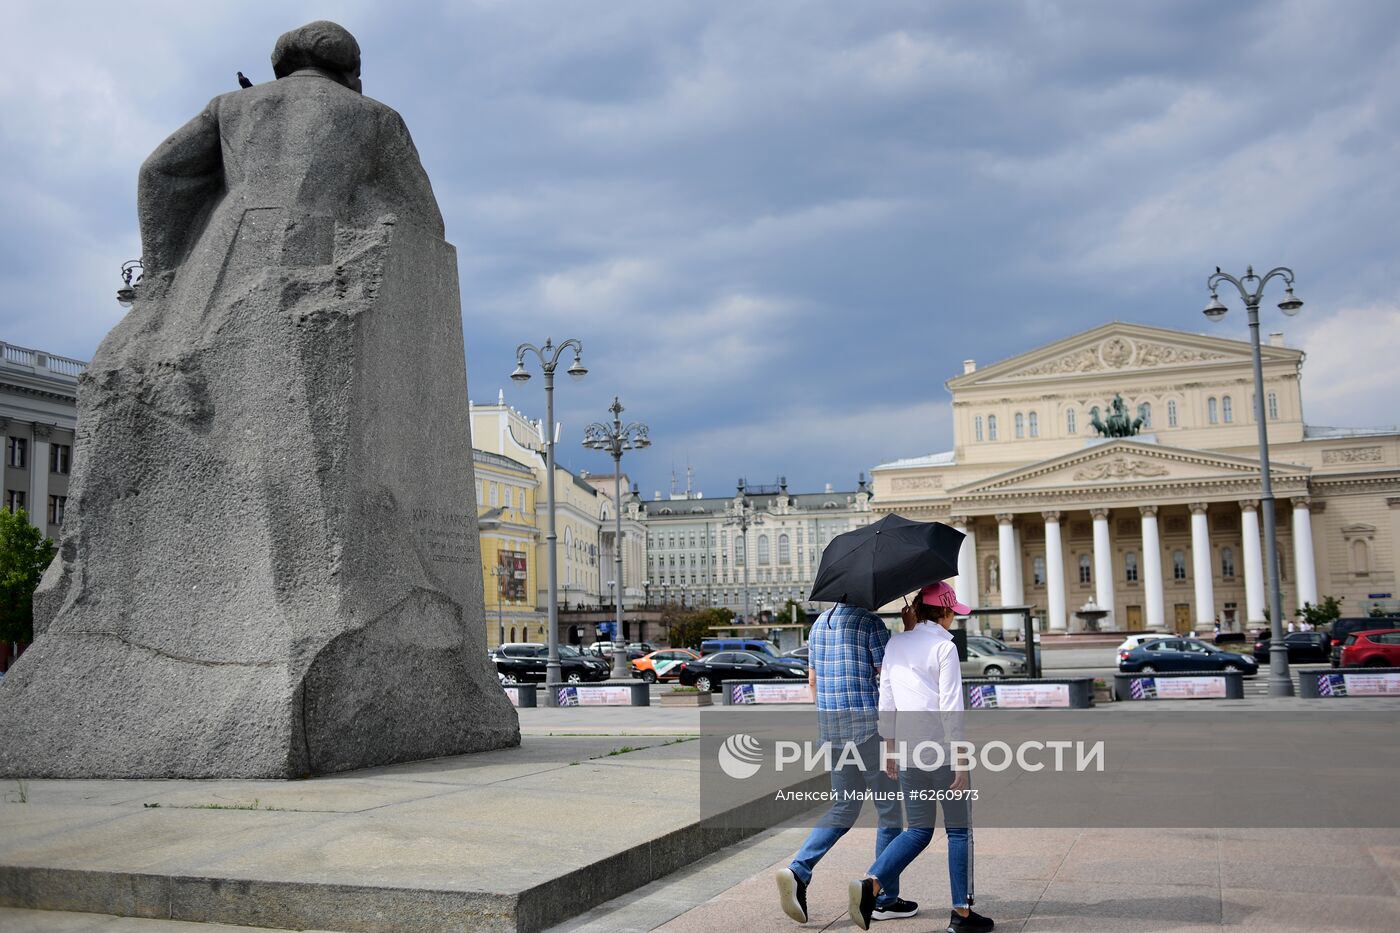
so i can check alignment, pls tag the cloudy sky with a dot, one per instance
(779, 227)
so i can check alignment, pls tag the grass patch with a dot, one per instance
(20, 794)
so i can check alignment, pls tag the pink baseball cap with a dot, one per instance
(941, 594)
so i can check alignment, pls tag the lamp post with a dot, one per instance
(744, 517)
(615, 438)
(1251, 289)
(549, 358)
(646, 593)
(499, 572)
(685, 592)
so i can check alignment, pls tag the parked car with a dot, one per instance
(604, 650)
(712, 645)
(1183, 654)
(517, 662)
(1341, 628)
(662, 665)
(711, 671)
(802, 654)
(991, 664)
(1138, 638)
(1302, 647)
(989, 645)
(1372, 649)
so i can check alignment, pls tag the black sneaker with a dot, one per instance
(792, 895)
(895, 910)
(861, 898)
(972, 923)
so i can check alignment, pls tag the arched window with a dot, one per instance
(739, 551)
(1211, 413)
(763, 550)
(977, 426)
(1130, 567)
(784, 550)
(1171, 414)
(1360, 557)
(1228, 408)
(1086, 572)
(1146, 414)
(991, 427)
(1035, 425)
(512, 633)
(1272, 399)
(1020, 425)
(1227, 563)
(1178, 565)
(1038, 571)
(1070, 425)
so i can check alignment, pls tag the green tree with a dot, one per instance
(24, 553)
(688, 629)
(1324, 613)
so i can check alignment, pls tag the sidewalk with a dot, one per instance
(1041, 880)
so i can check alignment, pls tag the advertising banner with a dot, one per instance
(1358, 685)
(511, 584)
(751, 694)
(1177, 688)
(595, 696)
(1017, 696)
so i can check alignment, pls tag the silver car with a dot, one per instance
(985, 664)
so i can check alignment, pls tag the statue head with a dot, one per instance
(323, 45)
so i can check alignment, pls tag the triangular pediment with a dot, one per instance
(1119, 347)
(1126, 462)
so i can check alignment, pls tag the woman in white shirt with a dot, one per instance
(921, 703)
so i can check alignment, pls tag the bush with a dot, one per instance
(24, 553)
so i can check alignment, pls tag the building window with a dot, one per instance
(739, 551)
(991, 427)
(1035, 424)
(1020, 425)
(14, 500)
(977, 427)
(1228, 408)
(1360, 558)
(17, 453)
(56, 507)
(1086, 573)
(1146, 409)
(1211, 414)
(60, 458)
(495, 495)
(784, 550)
(1130, 567)
(1227, 563)
(1038, 571)
(1171, 414)
(1272, 398)
(1178, 565)
(1070, 425)
(763, 550)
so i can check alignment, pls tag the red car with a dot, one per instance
(1372, 649)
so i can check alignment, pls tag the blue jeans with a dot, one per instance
(847, 783)
(923, 817)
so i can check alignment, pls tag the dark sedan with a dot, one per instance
(1303, 647)
(711, 671)
(1183, 654)
(521, 661)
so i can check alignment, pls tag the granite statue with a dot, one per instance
(271, 566)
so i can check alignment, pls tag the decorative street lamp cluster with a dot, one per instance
(548, 356)
(1251, 289)
(744, 516)
(615, 438)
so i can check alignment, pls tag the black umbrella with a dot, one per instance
(887, 559)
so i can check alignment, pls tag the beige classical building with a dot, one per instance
(1162, 529)
(38, 421)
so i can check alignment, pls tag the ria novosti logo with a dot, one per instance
(740, 756)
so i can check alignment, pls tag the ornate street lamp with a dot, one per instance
(1251, 289)
(744, 516)
(615, 438)
(548, 356)
(132, 270)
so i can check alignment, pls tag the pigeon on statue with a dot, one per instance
(243, 81)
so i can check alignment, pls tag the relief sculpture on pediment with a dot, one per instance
(1120, 468)
(1161, 354)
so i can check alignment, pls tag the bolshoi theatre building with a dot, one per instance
(1161, 528)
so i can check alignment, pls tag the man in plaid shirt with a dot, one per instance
(847, 646)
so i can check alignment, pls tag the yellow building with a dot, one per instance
(1163, 528)
(506, 491)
